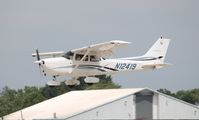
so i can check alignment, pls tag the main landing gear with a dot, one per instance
(72, 82)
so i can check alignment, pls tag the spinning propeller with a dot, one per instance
(39, 62)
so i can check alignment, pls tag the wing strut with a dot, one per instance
(87, 51)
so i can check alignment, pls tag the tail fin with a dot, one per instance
(159, 49)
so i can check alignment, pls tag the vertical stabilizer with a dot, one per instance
(159, 49)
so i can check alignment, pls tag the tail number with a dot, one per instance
(126, 66)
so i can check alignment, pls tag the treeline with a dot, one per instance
(12, 100)
(191, 96)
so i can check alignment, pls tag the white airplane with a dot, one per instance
(89, 61)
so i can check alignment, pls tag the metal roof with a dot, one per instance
(70, 104)
(76, 102)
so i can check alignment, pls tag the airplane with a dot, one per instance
(91, 60)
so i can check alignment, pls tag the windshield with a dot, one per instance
(92, 58)
(69, 55)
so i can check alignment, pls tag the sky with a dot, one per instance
(60, 25)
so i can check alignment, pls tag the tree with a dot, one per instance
(31, 95)
(191, 96)
(12, 100)
(167, 92)
(50, 92)
(105, 83)
(6, 101)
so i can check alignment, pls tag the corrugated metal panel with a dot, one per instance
(181, 101)
(78, 104)
(120, 109)
(171, 109)
(71, 103)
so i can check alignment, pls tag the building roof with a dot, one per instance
(76, 102)
(71, 103)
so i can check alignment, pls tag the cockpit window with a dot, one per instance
(78, 57)
(102, 58)
(86, 58)
(69, 55)
(94, 58)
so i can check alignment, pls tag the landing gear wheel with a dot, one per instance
(91, 80)
(54, 82)
(72, 82)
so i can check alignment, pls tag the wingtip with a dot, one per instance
(120, 42)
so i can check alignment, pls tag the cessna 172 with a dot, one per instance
(89, 61)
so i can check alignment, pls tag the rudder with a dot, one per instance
(159, 49)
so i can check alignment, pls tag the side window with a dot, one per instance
(93, 59)
(78, 57)
(86, 58)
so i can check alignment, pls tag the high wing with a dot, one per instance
(49, 54)
(101, 49)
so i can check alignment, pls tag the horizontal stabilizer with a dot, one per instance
(156, 66)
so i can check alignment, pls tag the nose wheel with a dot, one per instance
(54, 78)
(53, 82)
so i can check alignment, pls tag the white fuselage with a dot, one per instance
(61, 66)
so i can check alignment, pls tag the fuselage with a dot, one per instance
(61, 66)
(88, 61)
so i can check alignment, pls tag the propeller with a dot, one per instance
(37, 54)
(38, 60)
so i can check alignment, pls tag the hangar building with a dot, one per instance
(138, 103)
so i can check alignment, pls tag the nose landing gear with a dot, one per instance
(53, 82)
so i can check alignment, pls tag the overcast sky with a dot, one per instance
(54, 25)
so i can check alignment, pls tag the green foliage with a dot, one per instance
(7, 95)
(50, 92)
(13, 100)
(103, 85)
(167, 92)
(191, 96)
(32, 95)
